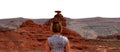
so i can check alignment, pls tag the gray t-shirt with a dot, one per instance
(57, 43)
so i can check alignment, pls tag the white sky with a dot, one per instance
(70, 8)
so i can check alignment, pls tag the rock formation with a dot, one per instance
(58, 17)
(31, 37)
(88, 27)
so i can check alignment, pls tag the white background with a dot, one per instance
(70, 8)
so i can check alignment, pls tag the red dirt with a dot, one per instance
(29, 37)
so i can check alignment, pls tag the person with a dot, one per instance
(56, 27)
(57, 42)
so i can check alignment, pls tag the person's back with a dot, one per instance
(57, 43)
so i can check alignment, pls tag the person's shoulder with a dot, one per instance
(58, 36)
(65, 38)
(53, 36)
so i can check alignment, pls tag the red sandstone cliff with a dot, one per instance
(30, 36)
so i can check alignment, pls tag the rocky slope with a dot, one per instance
(89, 28)
(93, 27)
(30, 37)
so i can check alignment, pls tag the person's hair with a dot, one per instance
(56, 27)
